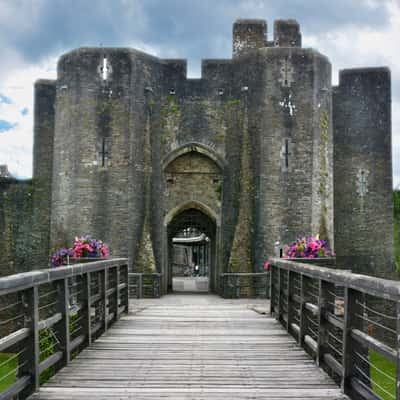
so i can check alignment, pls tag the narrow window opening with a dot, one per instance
(287, 153)
(104, 153)
(105, 69)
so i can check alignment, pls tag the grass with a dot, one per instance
(385, 379)
(8, 367)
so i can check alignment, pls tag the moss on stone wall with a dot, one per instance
(323, 172)
(145, 261)
(16, 226)
(170, 116)
(240, 257)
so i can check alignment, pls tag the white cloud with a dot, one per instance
(364, 47)
(352, 46)
(16, 144)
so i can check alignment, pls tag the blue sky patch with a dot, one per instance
(6, 126)
(24, 111)
(5, 99)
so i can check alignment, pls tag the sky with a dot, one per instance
(34, 33)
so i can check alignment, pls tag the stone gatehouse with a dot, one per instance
(260, 149)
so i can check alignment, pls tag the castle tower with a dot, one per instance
(244, 154)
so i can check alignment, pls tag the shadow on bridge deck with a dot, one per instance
(192, 346)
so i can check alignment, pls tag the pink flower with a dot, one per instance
(104, 250)
(267, 265)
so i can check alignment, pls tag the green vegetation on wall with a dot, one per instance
(240, 257)
(170, 116)
(396, 203)
(323, 171)
(17, 243)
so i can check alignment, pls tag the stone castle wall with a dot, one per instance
(260, 124)
(16, 210)
(364, 224)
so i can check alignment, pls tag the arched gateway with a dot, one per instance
(194, 177)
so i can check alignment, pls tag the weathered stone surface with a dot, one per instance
(16, 209)
(135, 148)
(364, 224)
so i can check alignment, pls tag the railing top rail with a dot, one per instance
(384, 288)
(244, 273)
(16, 282)
(146, 273)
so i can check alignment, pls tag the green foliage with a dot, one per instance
(47, 345)
(386, 379)
(8, 366)
(72, 326)
(170, 117)
(396, 204)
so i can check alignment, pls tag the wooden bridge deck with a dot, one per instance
(192, 347)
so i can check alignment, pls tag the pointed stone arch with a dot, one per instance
(193, 147)
(195, 205)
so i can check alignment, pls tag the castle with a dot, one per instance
(257, 151)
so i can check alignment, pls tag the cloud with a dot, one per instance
(365, 46)
(5, 99)
(33, 34)
(6, 125)
(16, 143)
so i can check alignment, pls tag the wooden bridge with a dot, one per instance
(77, 324)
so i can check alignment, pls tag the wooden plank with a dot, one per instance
(50, 361)
(49, 322)
(13, 338)
(76, 342)
(176, 348)
(366, 340)
(333, 364)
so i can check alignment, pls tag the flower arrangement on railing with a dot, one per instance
(307, 247)
(84, 246)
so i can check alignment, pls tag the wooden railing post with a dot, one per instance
(225, 285)
(302, 318)
(278, 309)
(272, 289)
(64, 334)
(290, 300)
(140, 286)
(288, 304)
(87, 320)
(352, 310)
(326, 297)
(117, 291)
(104, 278)
(126, 281)
(29, 360)
(237, 287)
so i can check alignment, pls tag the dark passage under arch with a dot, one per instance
(195, 220)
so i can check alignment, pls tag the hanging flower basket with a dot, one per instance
(85, 249)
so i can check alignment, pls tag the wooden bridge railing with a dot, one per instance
(48, 316)
(237, 285)
(142, 285)
(349, 323)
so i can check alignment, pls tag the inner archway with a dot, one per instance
(191, 251)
